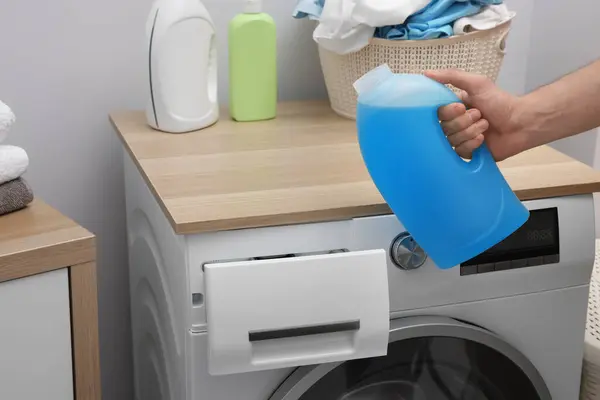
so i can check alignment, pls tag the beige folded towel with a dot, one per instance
(14, 195)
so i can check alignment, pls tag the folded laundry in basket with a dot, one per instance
(14, 195)
(434, 21)
(346, 26)
(488, 18)
(13, 162)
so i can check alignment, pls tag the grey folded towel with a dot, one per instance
(14, 195)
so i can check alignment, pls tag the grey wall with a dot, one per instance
(65, 64)
(513, 75)
(554, 53)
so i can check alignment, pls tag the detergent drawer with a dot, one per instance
(284, 312)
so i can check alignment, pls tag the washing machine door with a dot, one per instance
(429, 358)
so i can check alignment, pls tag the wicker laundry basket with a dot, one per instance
(480, 52)
(590, 380)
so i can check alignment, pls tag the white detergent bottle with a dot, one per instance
(182, 63)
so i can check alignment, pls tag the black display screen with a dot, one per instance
(537, 237)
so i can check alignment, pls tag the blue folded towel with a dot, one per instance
(410, 32)
(439, 8)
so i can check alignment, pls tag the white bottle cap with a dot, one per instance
(253, 7)
(372, 78)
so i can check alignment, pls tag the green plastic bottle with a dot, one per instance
(252, 64)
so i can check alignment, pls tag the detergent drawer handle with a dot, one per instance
(292, 320)
(257, 336)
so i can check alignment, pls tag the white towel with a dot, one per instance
(489, 17)
(346, 26)
(13, 163)
(7, 118)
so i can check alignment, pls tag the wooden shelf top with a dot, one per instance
(39, 239)
(304, 166)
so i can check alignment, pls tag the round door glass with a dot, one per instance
(428, 368)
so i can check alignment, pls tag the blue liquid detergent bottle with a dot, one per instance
(455, 209)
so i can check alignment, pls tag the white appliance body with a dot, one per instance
(182, 67)
(534, 315)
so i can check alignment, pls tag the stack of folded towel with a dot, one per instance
(15, 193)
(346, 26)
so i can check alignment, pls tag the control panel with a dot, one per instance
(535, 243)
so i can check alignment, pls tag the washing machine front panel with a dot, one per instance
(430, 286)
(421, 287)
(428, 358)
(547, 328)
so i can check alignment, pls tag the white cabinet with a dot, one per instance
(48, 307)
(35, 338)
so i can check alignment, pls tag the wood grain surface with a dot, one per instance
(39, 239)
(304, 166)
(84, 324)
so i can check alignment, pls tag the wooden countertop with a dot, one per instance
(304, 166)
(40, 239)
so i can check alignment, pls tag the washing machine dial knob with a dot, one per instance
(406, 253)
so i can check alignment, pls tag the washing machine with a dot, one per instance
(355, 309)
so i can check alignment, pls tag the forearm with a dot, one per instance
(564, 108)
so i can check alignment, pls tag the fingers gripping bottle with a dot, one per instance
(455, 209)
